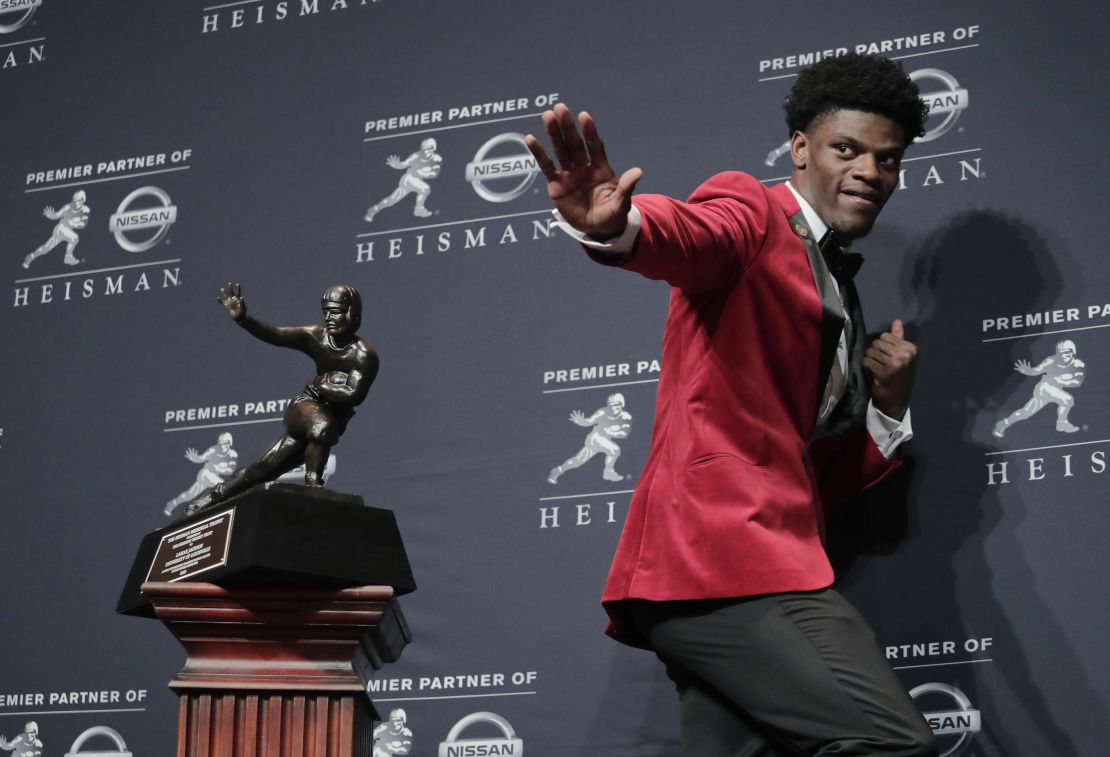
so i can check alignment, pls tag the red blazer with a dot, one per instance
(731, 500)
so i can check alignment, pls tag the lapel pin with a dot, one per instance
(803, 232)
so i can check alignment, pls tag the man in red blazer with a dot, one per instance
(771, 410)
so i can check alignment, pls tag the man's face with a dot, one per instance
(337, 319)
(32, 732)
(846, 166)
(1066, 356)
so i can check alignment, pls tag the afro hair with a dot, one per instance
(870, 83)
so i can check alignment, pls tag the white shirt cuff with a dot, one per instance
(624, 243)
(888, 433)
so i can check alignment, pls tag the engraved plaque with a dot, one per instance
(193, 549)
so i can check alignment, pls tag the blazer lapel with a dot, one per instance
(852, 408)
(832, 312)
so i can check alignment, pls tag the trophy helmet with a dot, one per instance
(616, 399)
(428, 144)
(79, 196)
(224, 438)
(1066, 346)
(347, 296)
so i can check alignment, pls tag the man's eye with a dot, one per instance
(843, 149)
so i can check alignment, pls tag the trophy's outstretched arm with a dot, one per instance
(294, 337)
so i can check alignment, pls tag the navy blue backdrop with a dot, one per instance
(245, 141)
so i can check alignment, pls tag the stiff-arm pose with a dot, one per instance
(345, 368)
(773, 408)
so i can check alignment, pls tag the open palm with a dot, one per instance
(583, 186)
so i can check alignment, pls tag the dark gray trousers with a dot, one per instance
(782, 674)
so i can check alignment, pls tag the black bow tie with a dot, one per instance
(842, 265)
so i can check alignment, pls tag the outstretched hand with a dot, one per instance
(891, 362)
(584, 187)
(231, 297)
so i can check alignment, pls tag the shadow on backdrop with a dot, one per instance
(934, 516)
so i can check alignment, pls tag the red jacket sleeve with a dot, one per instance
(846, 465)
(707, 242)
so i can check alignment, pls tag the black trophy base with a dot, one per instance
(274, 535)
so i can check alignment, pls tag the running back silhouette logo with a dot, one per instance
(393, 736)
(607, 425)
(419, 168)
(1059, 373)
(26, 744)
(71, 217)
(217, 463)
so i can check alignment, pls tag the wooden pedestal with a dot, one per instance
(277, 672)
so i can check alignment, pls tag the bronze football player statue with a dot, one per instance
(345, 367)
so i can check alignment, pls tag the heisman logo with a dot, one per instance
(393, 736)
(26, 744)
(217, 463)
(99, 730)
(607, 424)
(419, 168)
(506, 745)
(1059, 373)
(958, 722)
(500, 170)
(71, 217)
(949, 100)
(159, 216)
(9, 8)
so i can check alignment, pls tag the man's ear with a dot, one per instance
(799, 149)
